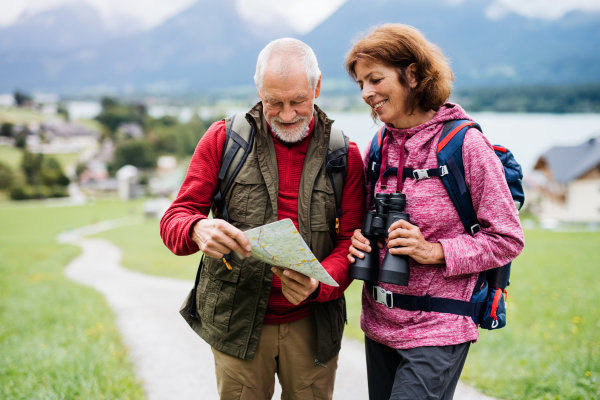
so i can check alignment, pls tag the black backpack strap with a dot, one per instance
(240, 136)
(335, 165)
(375, 158)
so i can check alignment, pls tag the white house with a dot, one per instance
(568, 186)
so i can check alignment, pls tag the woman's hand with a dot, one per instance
(406, 239)
(360, 243)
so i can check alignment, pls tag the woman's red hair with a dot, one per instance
(399, 46)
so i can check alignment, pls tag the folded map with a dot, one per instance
(280, 244)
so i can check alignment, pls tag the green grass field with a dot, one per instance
(144, 251)
(21, 116)
(550, 348)
(11, 156)
(58, 339)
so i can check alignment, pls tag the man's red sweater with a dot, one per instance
(195, 198)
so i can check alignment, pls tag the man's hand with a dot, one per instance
(216, 237)
(295, 286)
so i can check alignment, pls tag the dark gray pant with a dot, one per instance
(422, 373)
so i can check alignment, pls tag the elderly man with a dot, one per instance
(260, 320)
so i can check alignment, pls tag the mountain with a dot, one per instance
(206, 45)
(483, 51)
(209, 47)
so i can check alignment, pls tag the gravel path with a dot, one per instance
(169, 358)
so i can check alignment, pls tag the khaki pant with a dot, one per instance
(287, 350)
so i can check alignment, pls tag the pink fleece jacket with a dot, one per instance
(431, 209)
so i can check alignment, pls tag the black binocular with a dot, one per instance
(394, 269)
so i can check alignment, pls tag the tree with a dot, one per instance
(6, 177)
(64, 111)
(31, 164)
(114, 114)
(6, 129)
(40, 170)
(108, 102)
(52, 173)
(44, 178)
(170, 137)
(21, 98)
(138, 153)
(113, 117)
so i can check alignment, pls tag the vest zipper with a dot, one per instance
(255, 307)
(319, 364)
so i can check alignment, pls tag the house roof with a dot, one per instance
(569, 163)
(67, 129)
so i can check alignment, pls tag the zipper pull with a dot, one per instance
(319, 364)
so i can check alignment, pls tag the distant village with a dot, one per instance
(122, 151)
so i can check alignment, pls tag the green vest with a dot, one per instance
(231, 305)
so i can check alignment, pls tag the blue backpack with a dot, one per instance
(487, 306)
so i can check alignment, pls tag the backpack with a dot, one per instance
(240, 136)
(487, 306)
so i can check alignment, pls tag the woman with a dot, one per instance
(418, 354)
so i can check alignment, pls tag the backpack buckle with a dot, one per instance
(474, 229)
(420, 174)
(444, 170)
(382, 296)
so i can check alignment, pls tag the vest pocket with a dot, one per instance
(220, 293)
(248, 202)
(322, 205)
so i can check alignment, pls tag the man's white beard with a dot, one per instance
(293, 135)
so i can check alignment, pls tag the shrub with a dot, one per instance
(6, 129)
(21, 192)
(6, 177)
(138, 153)
(42, 170)
(30, 192)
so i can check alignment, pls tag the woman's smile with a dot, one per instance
(378, 106)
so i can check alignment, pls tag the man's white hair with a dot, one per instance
(283, 51)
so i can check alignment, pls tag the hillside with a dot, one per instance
(208, 46)
(509, 50)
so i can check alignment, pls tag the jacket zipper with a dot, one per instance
(319, 364)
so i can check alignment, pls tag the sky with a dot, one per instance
(301, 15)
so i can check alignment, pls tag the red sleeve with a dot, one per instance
(196, 194)
(353, 211)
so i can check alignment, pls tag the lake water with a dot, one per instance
(527, 135)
